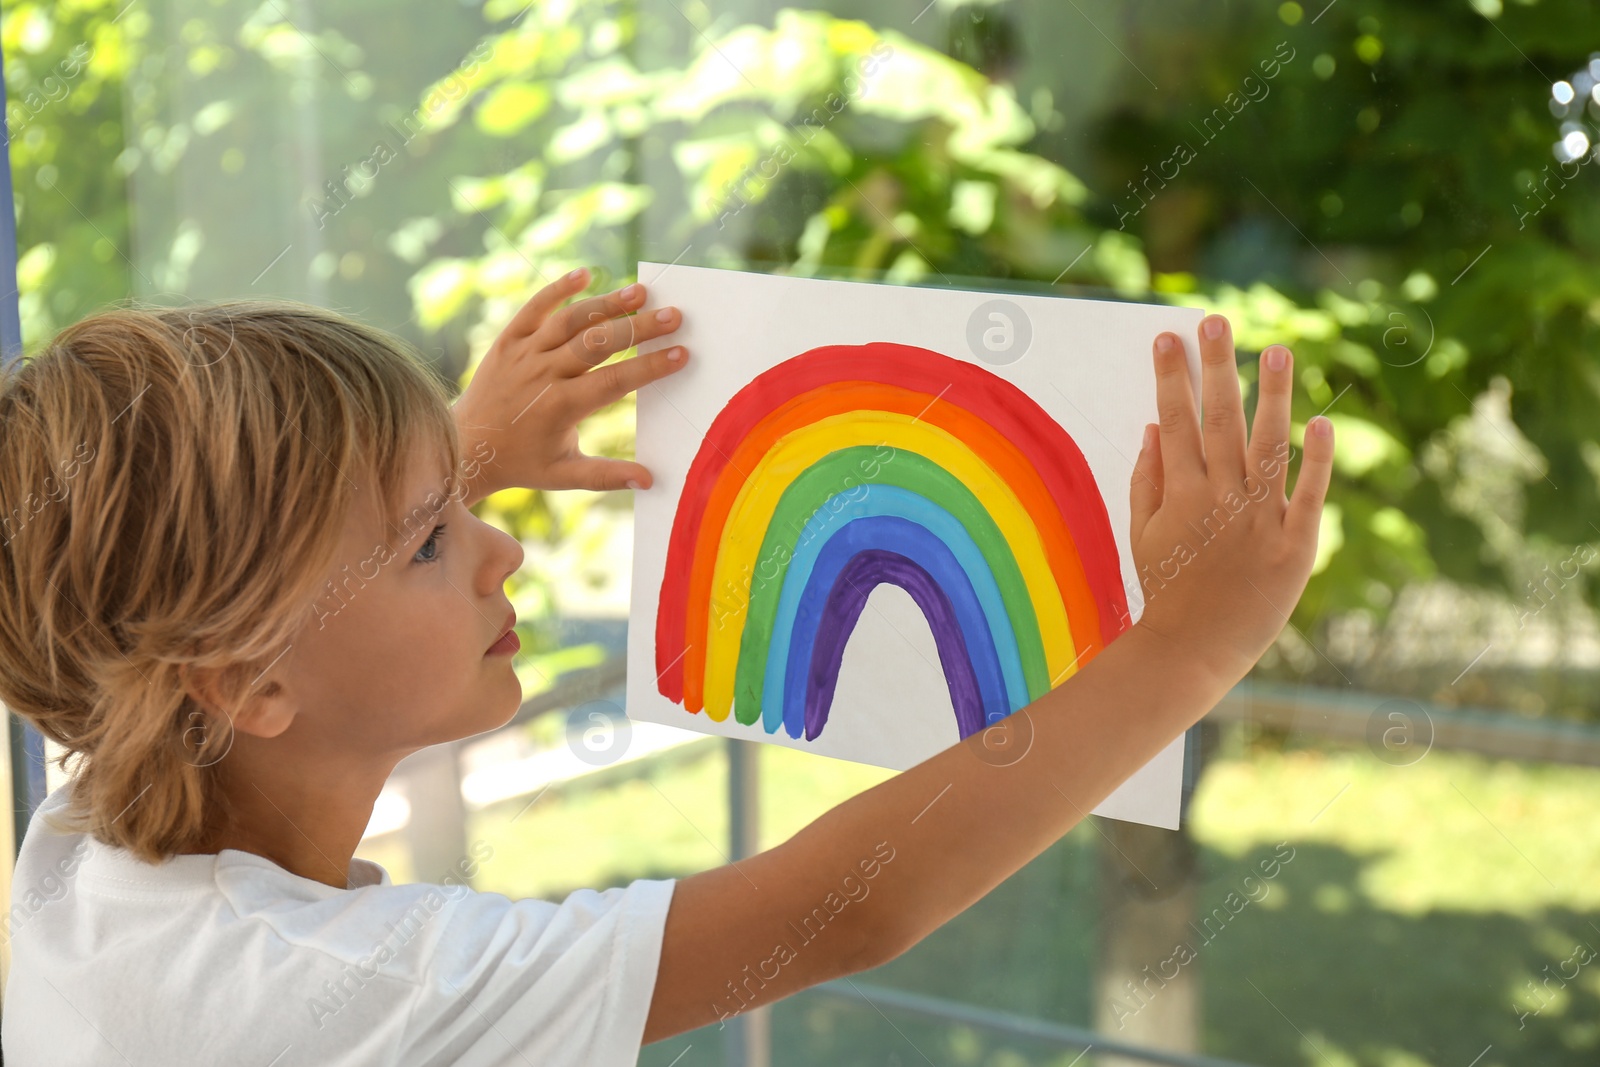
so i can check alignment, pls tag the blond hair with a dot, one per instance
(173, 487)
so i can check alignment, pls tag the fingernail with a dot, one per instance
(1321, 426)
(1149, 435)
(630, 292)
(1277, 357)
(1212, 327)
(576, 274)
(632, 484)
(674, 355)
(1166, 342)
(664, 315)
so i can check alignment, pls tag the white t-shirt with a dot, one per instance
(230, 959)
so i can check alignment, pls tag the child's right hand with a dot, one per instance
(1222, 555)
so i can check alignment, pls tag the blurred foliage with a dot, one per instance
(1370, 183)
(1416, 244)
(90, 109)
(65, 65)
(1460, 385)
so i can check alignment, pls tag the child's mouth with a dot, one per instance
(507, 645)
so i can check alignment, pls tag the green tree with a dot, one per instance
(1386, 202)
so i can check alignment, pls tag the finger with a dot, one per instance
(580, 315)
(1181, 456)
(1268, 459)
(1222, 405)
(608, 384)
(1304, 516)
(595, 344)
(533, 314)
(597, 474)
(1144, 495)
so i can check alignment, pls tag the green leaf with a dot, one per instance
(512, 106)
(972, 206)
(441, 290)
(1330, 536)
(1363, 445)
(578, 139)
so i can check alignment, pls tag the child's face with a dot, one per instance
(395, 659)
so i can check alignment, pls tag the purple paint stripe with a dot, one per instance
(865, 571)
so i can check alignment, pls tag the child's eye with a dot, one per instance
(433, 540)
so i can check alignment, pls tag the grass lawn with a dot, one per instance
(1413, 925)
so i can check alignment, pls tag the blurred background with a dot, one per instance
(1391, 852)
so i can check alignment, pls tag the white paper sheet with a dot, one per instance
(1086, 363)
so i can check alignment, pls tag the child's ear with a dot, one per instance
(266, 711)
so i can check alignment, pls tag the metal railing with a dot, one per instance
(1021, 1027)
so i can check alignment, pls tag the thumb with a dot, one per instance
(1145, 489)
(597, 473)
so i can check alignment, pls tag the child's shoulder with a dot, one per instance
(234, 936)
(232, 899)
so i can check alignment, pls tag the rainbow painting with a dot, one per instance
(884, 518)
(849, 466)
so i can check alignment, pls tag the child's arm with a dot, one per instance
(956, 825)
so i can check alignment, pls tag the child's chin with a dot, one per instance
(492, 712)
(504, 709)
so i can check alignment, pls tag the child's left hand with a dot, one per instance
(541, 377)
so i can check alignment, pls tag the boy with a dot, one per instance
(240, 583)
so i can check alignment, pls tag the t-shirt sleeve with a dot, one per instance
(533, 982)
